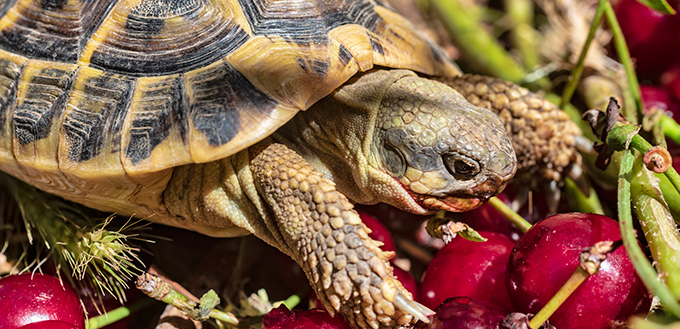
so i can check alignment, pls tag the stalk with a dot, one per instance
(658, 225)
(578, 69)
(631, 114)
(485, 51)
(637, 256)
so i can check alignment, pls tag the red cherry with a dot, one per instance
(651, 37)
(49, 325)
(282, 318)
(671, 81)
(547, 255)
(378, 231)
(406, 280)
(465, 313)
(466, 268)
(487, 218)
(661, 98)
(29, 298)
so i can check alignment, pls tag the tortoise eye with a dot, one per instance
(461, 167)
(393, 160)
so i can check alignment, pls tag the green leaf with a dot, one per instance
(470, 234)
(659, 5)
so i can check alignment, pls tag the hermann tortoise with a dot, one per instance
(270, 117)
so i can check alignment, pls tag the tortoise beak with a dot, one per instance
(452, 203)
(461, 201)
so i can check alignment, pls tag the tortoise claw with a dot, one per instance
(419, 311)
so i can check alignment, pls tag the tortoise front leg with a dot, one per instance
(317, 226)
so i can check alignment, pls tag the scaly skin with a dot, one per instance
(346, 268)
(385, 136)
(543, 136)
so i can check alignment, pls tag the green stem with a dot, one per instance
(671, 196)
(641, 145)
(578, 69)
(624, 56)
(579, 201)
(637, 256)
(657, 224)
(560, 296)
(670, 128)
(485, 51)
(515, 218)
(524, 37)
(116, 314)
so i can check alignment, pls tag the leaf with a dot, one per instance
(659, 5)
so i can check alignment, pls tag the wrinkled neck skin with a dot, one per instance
(336, 136)
(391, 136)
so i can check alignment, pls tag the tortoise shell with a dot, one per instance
(100, 99)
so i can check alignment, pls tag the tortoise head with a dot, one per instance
(446, 153)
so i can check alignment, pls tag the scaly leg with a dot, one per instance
(317, 226)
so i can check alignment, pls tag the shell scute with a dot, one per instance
(162, 83)
(95, 112)
(157, 126)
(50, 30)
(226, 112)
(155, 38)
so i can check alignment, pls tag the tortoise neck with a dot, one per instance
(336, 134)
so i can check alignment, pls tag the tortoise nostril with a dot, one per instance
(509, 168)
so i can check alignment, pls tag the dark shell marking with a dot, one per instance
(102, 93)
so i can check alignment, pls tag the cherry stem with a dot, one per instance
(657, 224)
(461, 23)
(589, 263)
(642, 266)
(116, 314)
(520, 13)
(156, 288)
(630, 112)
(560, 296)
(515, 218)
(640, 144)
(578, 69)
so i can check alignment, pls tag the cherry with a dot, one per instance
(406, 280)
(671, 81)
(660, 98)
(465, 313)
(378, 231)
(49, 325)
(487, 218)
(282, 318)
(466, 268)
(651, 37)
(547, 255)
(33, 298)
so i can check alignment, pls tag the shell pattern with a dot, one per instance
(99, 100)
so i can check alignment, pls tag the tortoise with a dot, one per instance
(264, 117)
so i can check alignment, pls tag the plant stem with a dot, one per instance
(560, 296)
(116, 314)
(524, 37)
(515, 218)
(641, 145)
(671, 128)
(624, 56)
(578, 69)
(637, 256)
(657, 224)
(671, 196)
(579, 201)
(485, 51)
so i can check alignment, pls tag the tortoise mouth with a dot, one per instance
(449, 203)
(462, 200)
